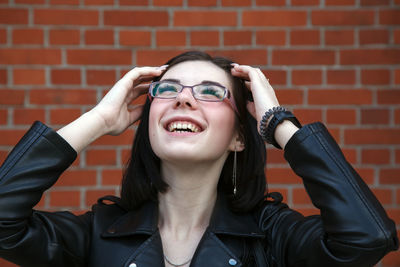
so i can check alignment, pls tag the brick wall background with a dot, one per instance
(336, 61)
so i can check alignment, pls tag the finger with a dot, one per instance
(262, 76)
(135, 114)
(137, 91)
(133, 76)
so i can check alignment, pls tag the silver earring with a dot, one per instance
(234, 173)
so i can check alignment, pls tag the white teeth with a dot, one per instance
(181, 127)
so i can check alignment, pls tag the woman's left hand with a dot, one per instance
(263, 93)
(264, 99)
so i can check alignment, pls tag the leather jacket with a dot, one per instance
(352, 230)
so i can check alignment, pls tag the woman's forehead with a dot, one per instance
(194, 72)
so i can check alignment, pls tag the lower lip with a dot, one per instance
(182, 133)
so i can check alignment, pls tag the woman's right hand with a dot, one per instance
(113, 109)
(113, 114)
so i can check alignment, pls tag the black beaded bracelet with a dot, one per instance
(278, 118)
(265, 118)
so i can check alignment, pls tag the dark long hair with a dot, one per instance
(142, 179)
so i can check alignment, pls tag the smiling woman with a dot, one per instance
(194, 191)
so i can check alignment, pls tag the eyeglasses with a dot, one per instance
(208, 91)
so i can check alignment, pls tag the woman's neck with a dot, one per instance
(188, 203)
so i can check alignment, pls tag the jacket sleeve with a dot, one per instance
(353, 228)
(34, 238)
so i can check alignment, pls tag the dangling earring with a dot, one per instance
(234, 173)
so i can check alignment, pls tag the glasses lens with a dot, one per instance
(165, 90)
(209, 92)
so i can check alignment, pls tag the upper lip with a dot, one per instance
(183, 119)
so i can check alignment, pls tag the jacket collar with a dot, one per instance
(223, 221)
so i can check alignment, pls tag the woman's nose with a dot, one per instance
(186, 98)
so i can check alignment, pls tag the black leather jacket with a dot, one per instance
(353, 229)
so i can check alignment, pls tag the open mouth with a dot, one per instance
(183, 127)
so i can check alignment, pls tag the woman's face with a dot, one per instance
(212, 124)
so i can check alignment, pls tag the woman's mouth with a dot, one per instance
(183, 127)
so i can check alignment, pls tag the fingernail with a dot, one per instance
(163, 67)
(234, 64)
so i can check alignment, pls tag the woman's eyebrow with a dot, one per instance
(212, 82)
(171, 80)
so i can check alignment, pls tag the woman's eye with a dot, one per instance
(212, 91)
(166, 89)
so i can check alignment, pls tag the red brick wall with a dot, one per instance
(336, 61)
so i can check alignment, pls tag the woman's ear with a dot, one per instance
(237, 144)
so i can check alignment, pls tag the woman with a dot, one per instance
(193, 192)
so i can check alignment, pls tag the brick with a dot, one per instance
(171, 38)
(77, 178)
(309, 77)
(64, 198)
(3, 36)
(99, 57)
(29, 76)
(392, 259)
(375, 2)
(248, 57)
(375, 116)
(236, 2)
(10, 137)
(303, 57)
(341, 116)
(275, 156)
(31, 2)
(63, 116)
(64, 37)
(3, 119)
(27, 36)
(342, 17)
(304, 37)
(125, 138)
(339, 37)
(366, 174)
(167, 2)
(100, 77)
(300, 196)
(99, 2)
(396, 36)
(341, 76)
(305, 2)
(388, 96)
(389, 176)
(205, 18)
(13, 16)
(375, 76)
(5, 263)
(350, 155)
(290, 96)
(369, 56)
(3, 76)
(63, 96)
(11, 97)
(275, 76)
(385, 196)
(375, 156)
(281, 190)
(374, 37)
(93, 195)
(274, 18)
(64, 2)
(28, 115)
(237, 38)
(339, 97)
(396, 76)
(340, 2)
(135, 18)
(308, 211)
(397, 116)
(101, 157)
(270, 2)
(271, 37)
(389, 17)
(99, 37)
(202, 3)
(204, 38)
(111, 177)
(135, 38)
(155, 57)
(306, 116)
(282, 176)
(372, 136)
(66, 17)
(30, 56)
(134, 3)
(65, 76)
(398, 161)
